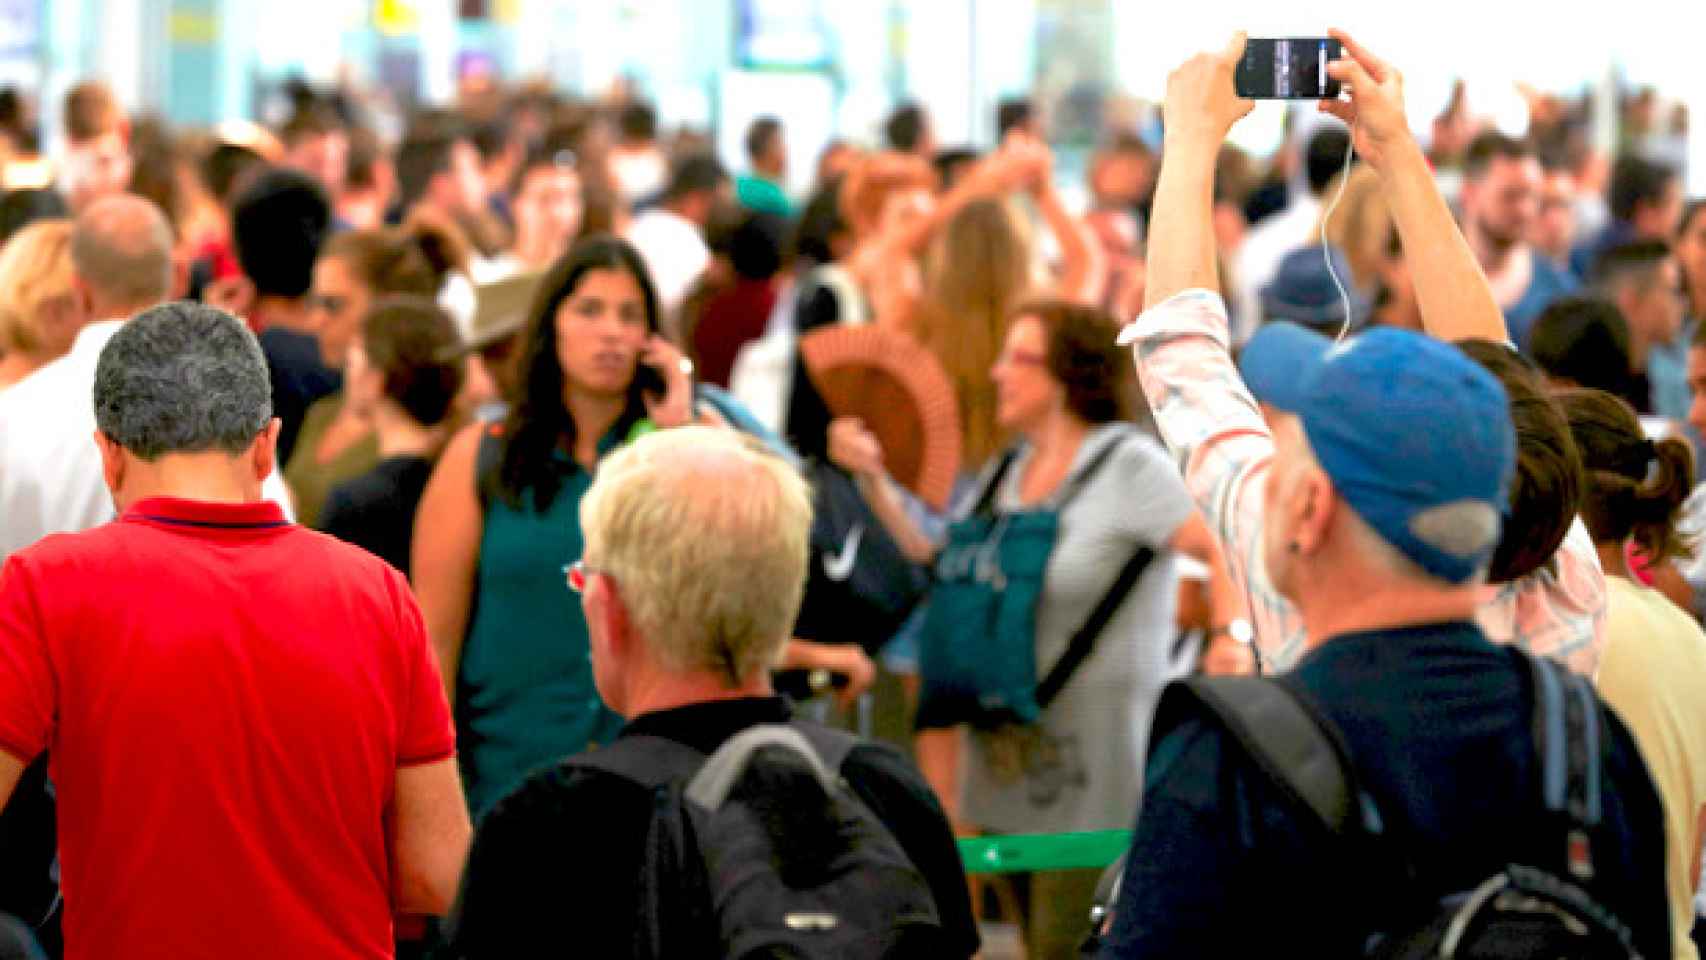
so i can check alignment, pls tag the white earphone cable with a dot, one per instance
(1326, 251)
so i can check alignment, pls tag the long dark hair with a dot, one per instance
(1636, 487)
(539, 424)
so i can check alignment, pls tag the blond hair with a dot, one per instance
(978, 273)
(35, 275)
(1360, 226)
(706, 535)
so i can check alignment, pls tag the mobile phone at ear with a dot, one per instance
(1287, 68)
(649, 380)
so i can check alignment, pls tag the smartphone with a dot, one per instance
(1288, 68)
(649, 380)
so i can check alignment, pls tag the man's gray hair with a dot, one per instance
(182, 378)
(121, 247)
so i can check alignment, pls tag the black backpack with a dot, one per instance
(761, 850)
(1522, 911)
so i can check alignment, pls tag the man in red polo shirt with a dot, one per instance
(244, 719)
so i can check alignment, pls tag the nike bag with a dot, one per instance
(860, 588)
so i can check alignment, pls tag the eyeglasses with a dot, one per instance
(579, 575)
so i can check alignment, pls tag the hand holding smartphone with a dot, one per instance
(1288, 68)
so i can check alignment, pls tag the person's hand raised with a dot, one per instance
(1375, 111)
(1202, 102)
(854, 448)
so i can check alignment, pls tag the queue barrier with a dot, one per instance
(1028, 852)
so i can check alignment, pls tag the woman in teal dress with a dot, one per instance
(500, 520)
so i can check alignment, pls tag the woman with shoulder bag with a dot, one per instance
(1112, 494)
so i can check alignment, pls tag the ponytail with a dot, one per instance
(1635, 487)
(1659, 498)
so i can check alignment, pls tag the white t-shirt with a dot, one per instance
(675, 253)
(50, 469)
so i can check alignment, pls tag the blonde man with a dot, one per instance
(695, 562)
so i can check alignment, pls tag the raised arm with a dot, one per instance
(1076, 259)
(1181, 343)
(1201, 108)
(1456, 301)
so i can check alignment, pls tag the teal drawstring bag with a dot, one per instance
(977, 649)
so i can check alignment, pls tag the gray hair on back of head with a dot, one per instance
(121, 247)
(182, 378)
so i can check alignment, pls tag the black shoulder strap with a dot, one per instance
(1084, 476)
(993, 487)
(1083, 642)
(1294, 748)
(648, 761)
(487, 458)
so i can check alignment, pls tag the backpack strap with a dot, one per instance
(1082, 479)
(1567, 744)
(1083, 642)
(1293, 747)
(987, 497)
(833, 746)
(711, 786)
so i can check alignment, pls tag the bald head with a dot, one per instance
(121, 251)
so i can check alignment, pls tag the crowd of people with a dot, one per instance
(408, 547)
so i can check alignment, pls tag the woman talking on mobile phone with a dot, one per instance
(500, 518)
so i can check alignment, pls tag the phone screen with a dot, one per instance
(1291, 68)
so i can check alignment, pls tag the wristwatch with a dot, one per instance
(1239, 630)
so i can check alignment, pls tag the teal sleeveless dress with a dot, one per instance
(525, 696)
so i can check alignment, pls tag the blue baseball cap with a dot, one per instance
(1415, 436)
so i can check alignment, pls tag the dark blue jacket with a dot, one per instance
(1438, 724)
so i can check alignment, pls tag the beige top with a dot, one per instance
(1653, 673)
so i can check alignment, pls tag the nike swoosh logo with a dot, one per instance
(840, 566)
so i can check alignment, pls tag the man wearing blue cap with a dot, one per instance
(1382, 467)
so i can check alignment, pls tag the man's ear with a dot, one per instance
(1319, 501)
(618, 623)
(84, 299)
(112, 465)
(180, 277)
(264, 451)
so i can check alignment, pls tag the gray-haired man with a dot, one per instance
(246, 723)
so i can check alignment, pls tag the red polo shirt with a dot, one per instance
(226, 698)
